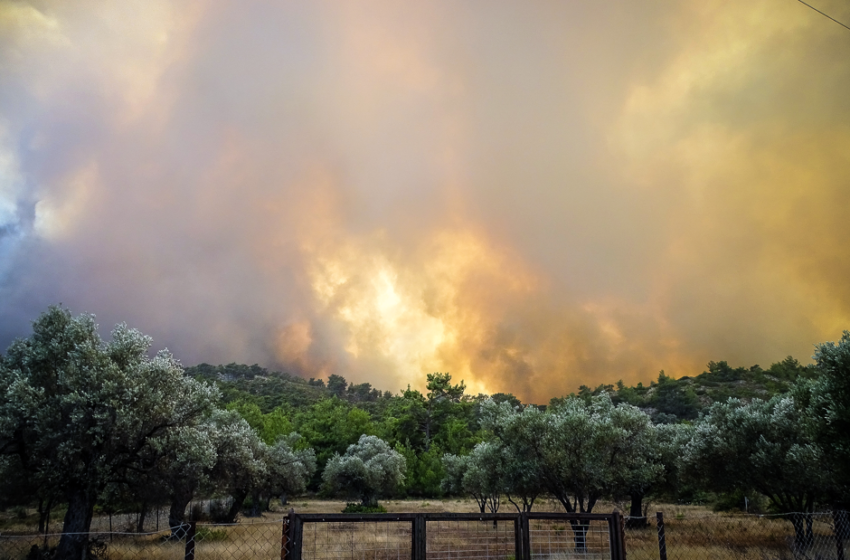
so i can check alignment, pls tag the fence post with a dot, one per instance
(284, 538)
(839, 521)
(518, 537)
(617, 534)
(662, 539)
(418, 538)
(526, 536)
(190, 542)
(296, 536)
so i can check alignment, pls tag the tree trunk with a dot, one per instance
(74, 542)
(283, 499)
(803, 535)
(369, 500)
(636, 520)
(140, 526)
(256, 504)
(235, 507)
(580, 535)
(44, 514)
(177, 513)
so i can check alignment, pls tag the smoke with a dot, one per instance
(530, 197)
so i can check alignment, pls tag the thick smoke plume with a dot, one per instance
(530, 196)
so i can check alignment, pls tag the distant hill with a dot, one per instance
(667, 400)
(670, 400)
(273, 389)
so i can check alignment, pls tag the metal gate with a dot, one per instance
(450, 536)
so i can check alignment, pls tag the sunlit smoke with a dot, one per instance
(528, 196)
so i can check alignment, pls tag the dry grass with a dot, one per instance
(692, 532)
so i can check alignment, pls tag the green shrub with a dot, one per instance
(203, 533)
(359, 508)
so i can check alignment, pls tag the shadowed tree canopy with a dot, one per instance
(80, 413)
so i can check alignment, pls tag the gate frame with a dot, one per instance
(293, 528)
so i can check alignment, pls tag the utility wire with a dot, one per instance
(825, 15)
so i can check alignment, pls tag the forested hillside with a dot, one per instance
(88, 423)
(332, 414)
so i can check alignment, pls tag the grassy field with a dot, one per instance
(691, 532)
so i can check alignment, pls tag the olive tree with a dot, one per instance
(240, 467)
(827, 400)
(289, 468)
(369, 469)
(640, 466)
(583, 450)
(479, 474)
(80, 412)
(766, 446)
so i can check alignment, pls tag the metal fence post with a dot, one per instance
(662, 539)
(839, 521)
(525, 529)
(296, 536)
(518, 537)
(284, 538)
(419, 542)
(190, 542)
(617, 535)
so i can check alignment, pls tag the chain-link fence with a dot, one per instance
(809, 536)
(242, 541)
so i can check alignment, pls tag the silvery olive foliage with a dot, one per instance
(767, 446)
(581, 451)
(234, 460)
(289, 468)
(369, 469)
(480, 474)
(81, 413)
(827, 399)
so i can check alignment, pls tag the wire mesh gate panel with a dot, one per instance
(435, 536)
(351, 537)
(490, 537)
(573, 536)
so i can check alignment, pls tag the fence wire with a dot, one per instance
(688, 535)
(801, 536)
(380, 540)
(484, 540)
(242, 541)
(563, 539)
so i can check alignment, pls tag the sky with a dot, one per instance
(528, 195)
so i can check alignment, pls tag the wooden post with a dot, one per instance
(190, 542)
(662, 539)
(840, 522)
(284, 538)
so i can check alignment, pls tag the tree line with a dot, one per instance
(86, 422)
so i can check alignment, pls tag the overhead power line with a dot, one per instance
(823, 14)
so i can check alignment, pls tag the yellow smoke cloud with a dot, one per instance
(530, 197)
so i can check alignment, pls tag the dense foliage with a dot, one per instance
(86, 422)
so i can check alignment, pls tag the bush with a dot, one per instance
(359, 508)
(206, 534)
